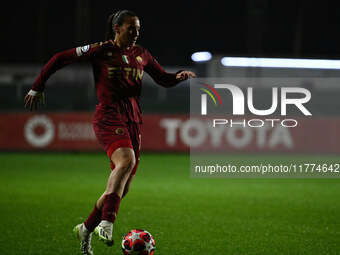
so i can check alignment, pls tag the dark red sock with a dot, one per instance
(110, 207)
(94, 219)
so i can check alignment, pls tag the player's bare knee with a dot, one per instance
(124, 160)
(127, 164)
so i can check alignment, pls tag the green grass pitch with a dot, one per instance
(43, 196)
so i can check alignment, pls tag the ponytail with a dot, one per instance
(109, 32)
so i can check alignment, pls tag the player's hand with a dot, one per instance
(185, 75)
(33, 98)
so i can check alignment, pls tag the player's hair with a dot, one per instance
(116, 18)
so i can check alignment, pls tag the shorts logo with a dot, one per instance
(109, 53)
(139, 59)
(119, 131)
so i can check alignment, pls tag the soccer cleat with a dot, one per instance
(85, 238)
(104, 232)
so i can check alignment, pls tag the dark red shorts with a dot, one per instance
(114, 134)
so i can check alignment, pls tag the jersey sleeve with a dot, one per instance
(157, 73)
(61, 59)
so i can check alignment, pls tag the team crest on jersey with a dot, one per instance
(125, 59)
(139, 59)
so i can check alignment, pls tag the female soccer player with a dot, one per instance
(118, 66)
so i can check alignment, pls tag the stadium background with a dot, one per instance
(242, 213)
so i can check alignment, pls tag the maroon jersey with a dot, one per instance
(118, 76)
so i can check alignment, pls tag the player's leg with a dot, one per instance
(124, 161)
(135, 136)
(84, 230)
(128, 183)
(111, 141)
(96, 215)
(100, 202)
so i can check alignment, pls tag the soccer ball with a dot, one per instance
(138, 242)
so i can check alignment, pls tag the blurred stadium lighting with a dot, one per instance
(201, 56)
(281, 63)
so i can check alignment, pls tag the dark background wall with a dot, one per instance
(32, 31)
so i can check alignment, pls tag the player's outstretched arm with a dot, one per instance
(58, 61)
(161, 77)
(36, 94)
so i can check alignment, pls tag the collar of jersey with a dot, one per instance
(120, 49)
